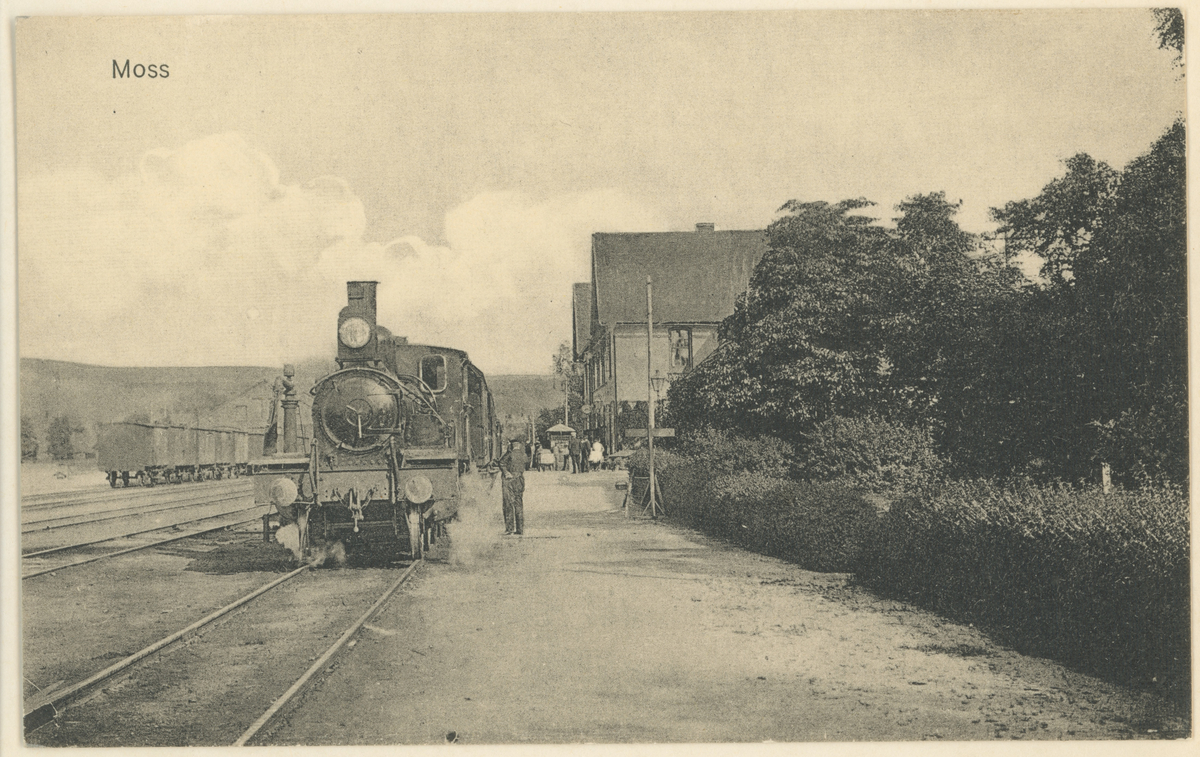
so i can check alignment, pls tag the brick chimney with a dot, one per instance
(702, 228)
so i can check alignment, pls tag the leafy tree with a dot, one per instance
(805, 344)
(1133, 294)
(844, 318)
(58, 438)
(29, 440)
(1059, 223)
(1104, 349)
(1169, 28)
(570, 385)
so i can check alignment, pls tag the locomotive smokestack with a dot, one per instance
(362, 294)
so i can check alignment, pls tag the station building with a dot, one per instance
(697, 276)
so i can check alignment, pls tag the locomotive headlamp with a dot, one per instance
(354, 333)
(283, 492)
(418, 490)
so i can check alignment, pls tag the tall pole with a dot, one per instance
(650, 392)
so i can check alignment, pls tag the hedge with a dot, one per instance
(1097, 580)
(1100, 581)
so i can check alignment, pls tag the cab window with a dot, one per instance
(433, 371)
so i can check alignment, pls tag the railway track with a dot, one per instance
(103, 692)
(66, 526)
(34, 564)
(118, 526)
(84, 500)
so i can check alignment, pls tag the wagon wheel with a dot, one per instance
(125, 478)
(112, 479)
(145, 478)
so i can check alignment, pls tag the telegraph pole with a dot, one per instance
(652, 491)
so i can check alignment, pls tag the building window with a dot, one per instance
(681, 350)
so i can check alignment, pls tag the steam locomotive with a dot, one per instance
(395, 429)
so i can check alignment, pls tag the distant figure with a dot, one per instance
(545, 459)
(512, 471)
(573, 453)
(534, 456)
(560, 456)
(596, 458)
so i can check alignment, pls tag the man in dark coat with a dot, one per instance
(573, 453)
(512, 470)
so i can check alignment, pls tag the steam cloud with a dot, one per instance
(480, 520)
(201, 256)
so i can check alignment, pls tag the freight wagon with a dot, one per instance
(148, 453)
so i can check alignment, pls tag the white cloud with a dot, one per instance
(202, 256)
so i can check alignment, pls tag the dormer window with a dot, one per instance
(681, 349)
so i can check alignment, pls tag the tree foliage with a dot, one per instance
(59, 438)
(1058, 224)
(29, 439)
(915, 325)
(843, 318)
(1169, 28)
(569, 383)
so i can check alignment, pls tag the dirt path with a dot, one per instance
(598, 628)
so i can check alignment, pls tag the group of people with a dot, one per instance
(571, 456)
(579, 455)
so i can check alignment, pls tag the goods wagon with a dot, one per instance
(146, 454)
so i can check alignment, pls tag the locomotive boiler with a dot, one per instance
(395, 427)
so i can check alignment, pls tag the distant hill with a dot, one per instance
(524, 395)
(217, 396)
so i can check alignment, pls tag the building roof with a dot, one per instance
(697, 274)
(581, 317)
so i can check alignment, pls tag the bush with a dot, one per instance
(722, 454)
(736, 489)
(871, 455)
(820, 527)
(1099, 581)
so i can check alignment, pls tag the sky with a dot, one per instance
(464, 160)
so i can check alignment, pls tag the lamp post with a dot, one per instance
(657, 381)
